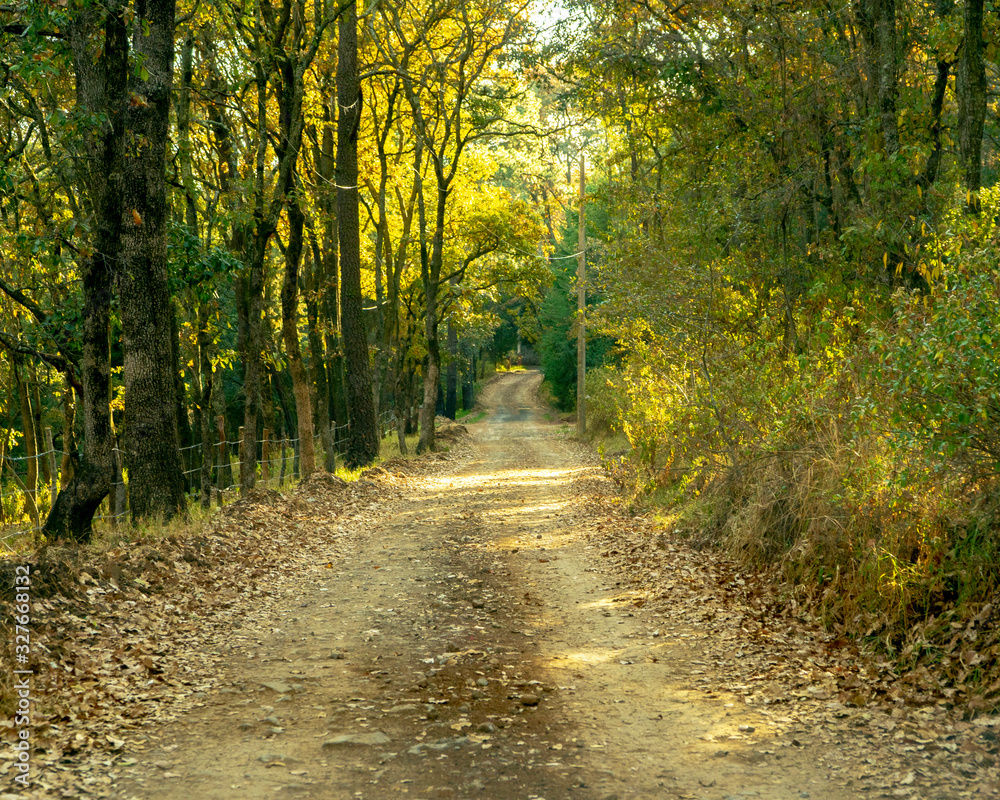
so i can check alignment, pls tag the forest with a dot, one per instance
(321, 225)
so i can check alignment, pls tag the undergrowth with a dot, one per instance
(861, 474)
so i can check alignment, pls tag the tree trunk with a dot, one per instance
(877, 20)
(971, 86)
(152, 447)
(432, 373)
(251, 298)
(431, 277)
(30, 446)
(69, 459)
(101, 89)
(290, 335)
(205, 404)
(363, 443)
(468, 380)
(185, 436)
(451, 376)
(35, 393)
(252, 367)
(328, 283)
(317, 358)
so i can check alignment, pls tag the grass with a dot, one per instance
(390, 448)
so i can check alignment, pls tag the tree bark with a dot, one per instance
(152, 447)
(432, 282)
(290, 335)
(317, 358)
(30, 445)
(205, 404)
(101, 83)
(877, 20)
(185, 436)
(971, 86)
(68, 464)
(35, 394)
(329, 277)
(363, 442)
(451, 378)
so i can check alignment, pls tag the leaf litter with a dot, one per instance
(136, 638)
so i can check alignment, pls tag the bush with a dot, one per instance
(941, 361)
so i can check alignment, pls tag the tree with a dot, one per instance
(152, 447)
(101, 80)
(363, 444)
(446, 57)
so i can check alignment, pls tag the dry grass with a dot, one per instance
(907, 565)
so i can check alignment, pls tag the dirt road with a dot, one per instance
(474, 643)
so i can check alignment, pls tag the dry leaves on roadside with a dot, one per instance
(129, 637)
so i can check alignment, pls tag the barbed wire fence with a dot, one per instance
(23, 510)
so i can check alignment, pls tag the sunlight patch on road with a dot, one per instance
(509, 479)
(543, 508)
(594, 656)
(615, 602)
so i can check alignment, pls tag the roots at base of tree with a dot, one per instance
(72, 515)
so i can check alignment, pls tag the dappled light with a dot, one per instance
(499, 399)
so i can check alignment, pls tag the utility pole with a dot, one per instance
(581, 312)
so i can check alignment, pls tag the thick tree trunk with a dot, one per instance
(71, 516)
(251, 299)
(290, 335)
(363, 443)
(328, 283)
(152, 447)
(101, 89)
(971, 86)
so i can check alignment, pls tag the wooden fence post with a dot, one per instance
(242, 440)
(220, 425)
(265, 455)
(50, 450)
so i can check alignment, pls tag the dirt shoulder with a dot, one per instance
(485, 624)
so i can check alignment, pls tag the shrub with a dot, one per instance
(941, 362)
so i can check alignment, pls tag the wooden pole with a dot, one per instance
(220, 424)
(243, 458)
(50, 454)
(581, 311)
(265, 455)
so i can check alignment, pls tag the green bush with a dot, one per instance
(941, 360)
